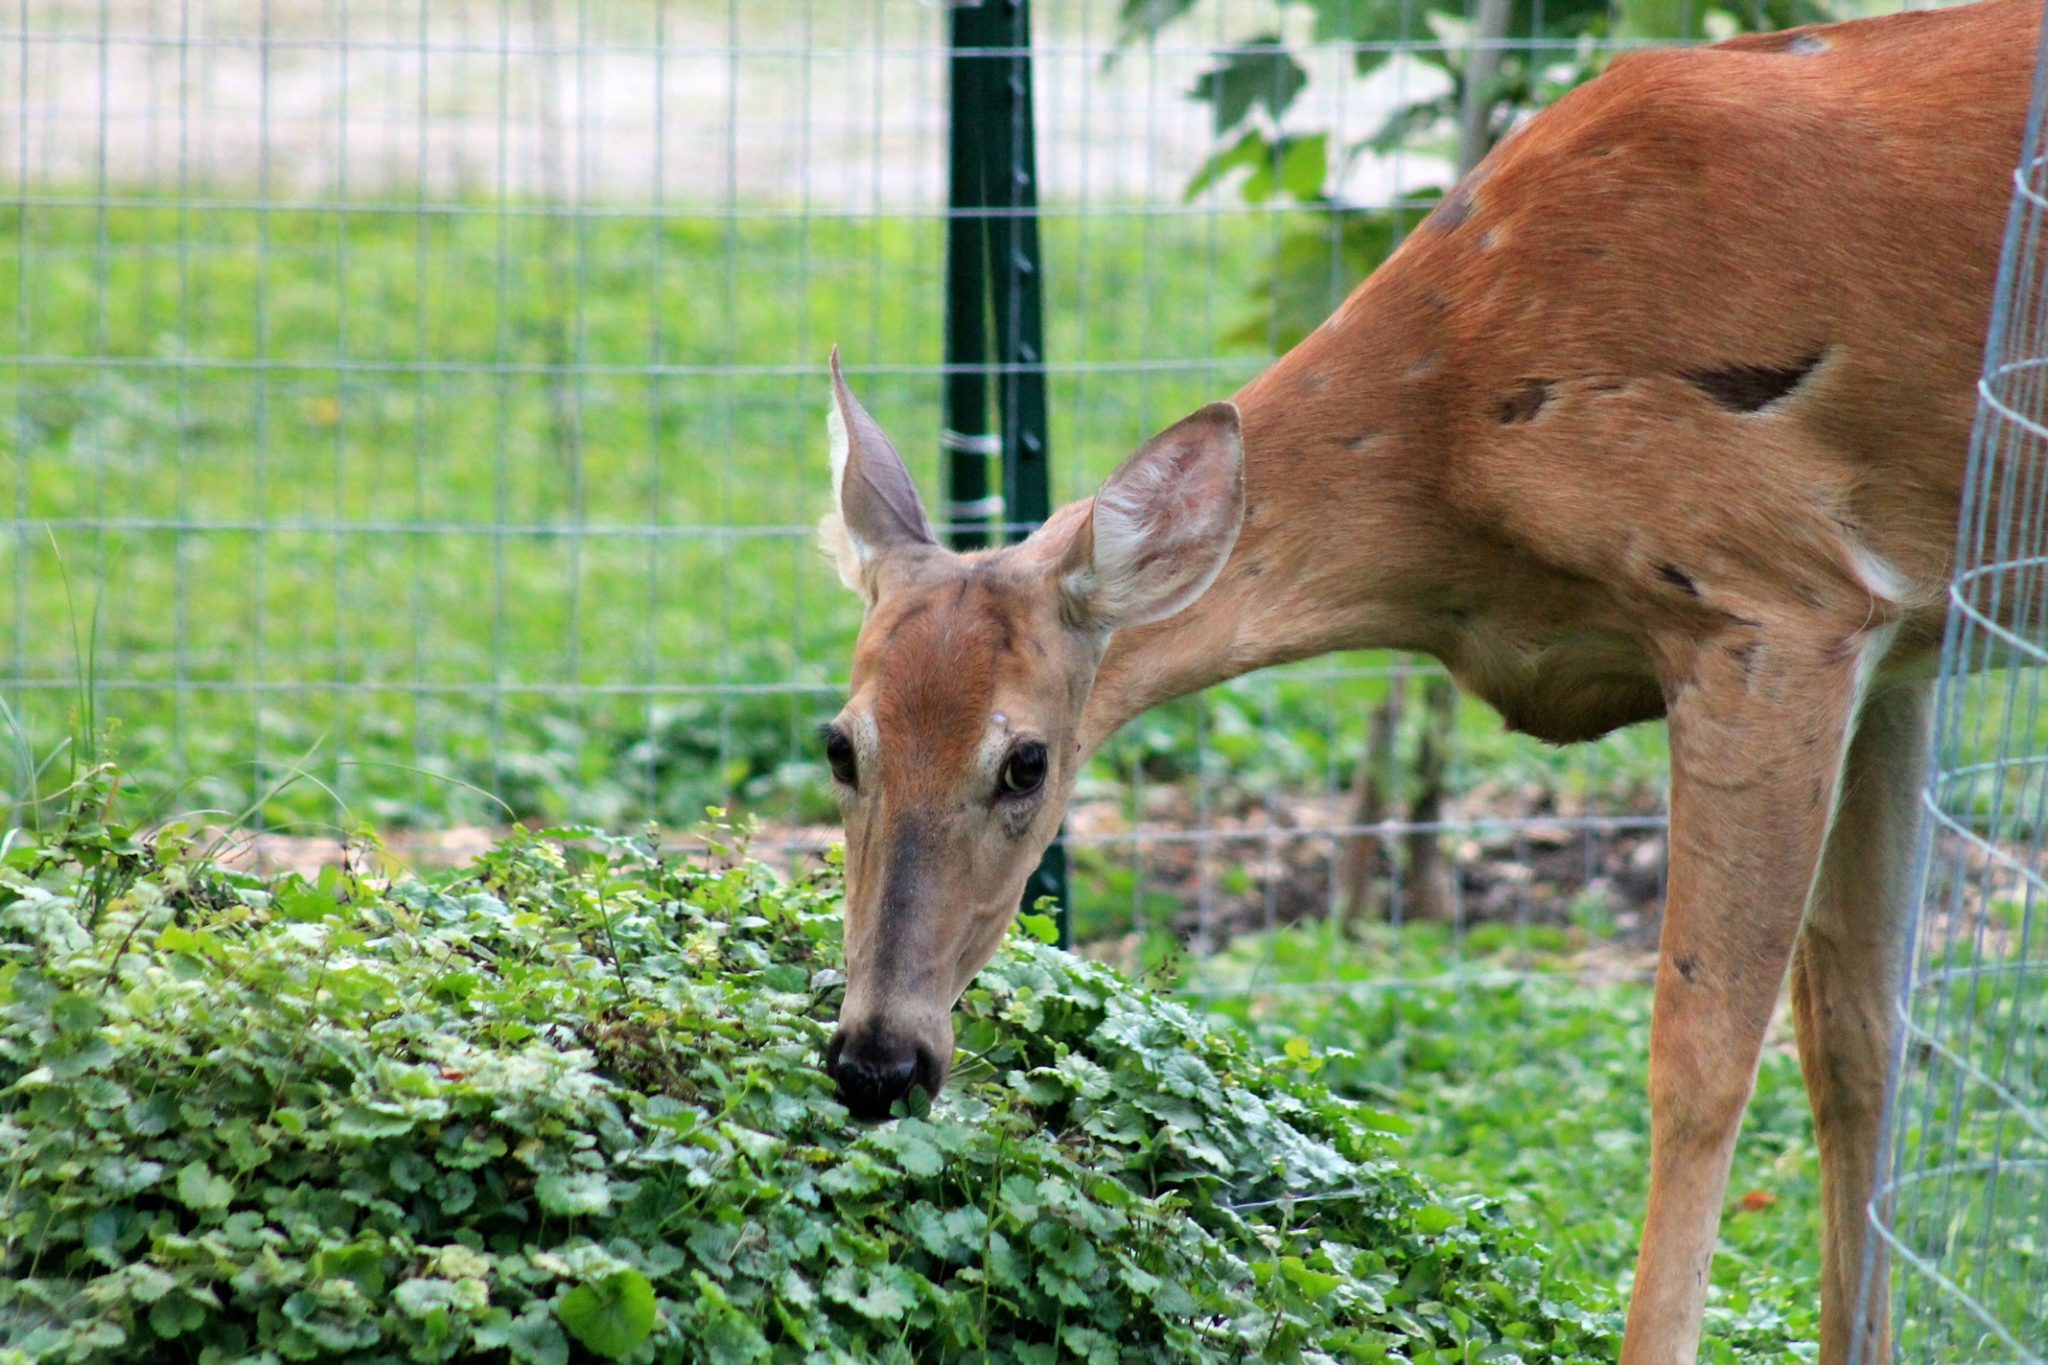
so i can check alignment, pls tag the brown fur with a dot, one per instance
(1663, 412)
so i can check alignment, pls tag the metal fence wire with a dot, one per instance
(411, 416)
(1967, 1190)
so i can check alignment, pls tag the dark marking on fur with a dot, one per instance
(907, 854)
(1750, 388)
(1254, 569)
(1525, 403)
(1603, 387)
(1451, 214)
(1687, 967)
(1678, 579)
(1364, 440)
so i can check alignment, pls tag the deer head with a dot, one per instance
(958, 746)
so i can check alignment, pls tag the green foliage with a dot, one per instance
(1520, 1076)
(1551, 46)
(498, 632)
(569, 1103)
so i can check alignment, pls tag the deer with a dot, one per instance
(1662, 412)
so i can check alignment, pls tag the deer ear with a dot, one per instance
(878, 511)
(1162, 526)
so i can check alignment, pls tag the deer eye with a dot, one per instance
(1023, 771)
(839, 753)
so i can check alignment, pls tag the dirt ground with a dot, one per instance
(1519, 860)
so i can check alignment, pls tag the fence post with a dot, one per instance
(993, 275)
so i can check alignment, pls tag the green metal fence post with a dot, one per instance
(965, 440)
(993, 270)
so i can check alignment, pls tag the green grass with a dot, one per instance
(1534, 1091)
(227, 427)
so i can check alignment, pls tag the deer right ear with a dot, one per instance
(878, 510)
(1161, 528)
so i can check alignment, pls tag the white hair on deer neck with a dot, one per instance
(1880, 579)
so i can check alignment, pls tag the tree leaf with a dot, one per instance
(1260, 73)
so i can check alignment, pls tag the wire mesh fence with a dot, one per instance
(412, 417)
(1967, 1191)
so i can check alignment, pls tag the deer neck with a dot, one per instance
(1343, 545)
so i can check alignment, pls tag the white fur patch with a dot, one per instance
(1869, 658)
(1879, 578)
(847, 552)
(1150, 560)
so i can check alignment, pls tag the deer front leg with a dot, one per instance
(1845, 982)
(1758, 731)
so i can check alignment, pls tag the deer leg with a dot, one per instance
(1845, 979)
(1758, 735)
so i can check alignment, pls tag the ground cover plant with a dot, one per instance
(1520, 1064)
(566, 1104)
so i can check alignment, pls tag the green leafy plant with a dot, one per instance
(567, 1104)
(1520, 1064)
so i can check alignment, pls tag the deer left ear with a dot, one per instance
(1162, 526)
(879, 512)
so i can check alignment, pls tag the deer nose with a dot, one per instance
(873, 1072)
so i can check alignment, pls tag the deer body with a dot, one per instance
(1662, 412)
(1532, 443)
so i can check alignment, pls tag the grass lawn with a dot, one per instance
(524, 501)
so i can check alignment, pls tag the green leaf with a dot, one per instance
(200, 1188)
(537, 1341)
(612, 1316)
(1258, 74)
(1313, 1283)
(884, 1295)
(1140, 20)
(574, 1193)
(361, 1263)
(377, 1120)
(1044, 928)
(74, 1013)
(1433, 1219)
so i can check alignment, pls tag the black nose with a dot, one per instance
(873, 1072)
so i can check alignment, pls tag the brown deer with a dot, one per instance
(1662, 412)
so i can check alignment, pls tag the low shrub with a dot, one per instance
(567, 1104)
